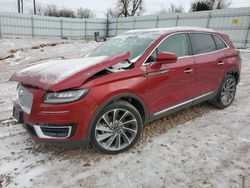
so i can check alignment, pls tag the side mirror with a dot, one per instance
(164, 58)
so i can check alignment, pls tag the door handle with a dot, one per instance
(220, 63)
(188, 70)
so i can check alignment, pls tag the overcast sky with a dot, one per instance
(100, 6)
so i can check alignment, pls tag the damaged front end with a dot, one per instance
(52, 97)
(65, 74)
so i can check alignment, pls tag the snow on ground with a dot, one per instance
(197, 147)
(26, 53)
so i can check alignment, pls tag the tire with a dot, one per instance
(226, 92)
(115, 134)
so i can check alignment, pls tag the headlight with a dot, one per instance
(65, 96)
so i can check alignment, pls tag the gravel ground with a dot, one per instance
(197, 147)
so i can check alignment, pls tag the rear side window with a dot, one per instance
(202, 43)
(219, 43)
(176, 44)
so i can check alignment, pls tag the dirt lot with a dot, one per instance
(197, 147)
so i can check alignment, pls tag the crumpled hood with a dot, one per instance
(64, 74)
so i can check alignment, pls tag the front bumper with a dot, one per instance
(62, 142)
(60, 123)
(51, 131)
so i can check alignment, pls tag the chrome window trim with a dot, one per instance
(187, 56)
(144, 63)
(222, 41)
(214, 42)
(183, 103)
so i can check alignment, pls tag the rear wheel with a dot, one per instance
(117, 128)
(226, 93)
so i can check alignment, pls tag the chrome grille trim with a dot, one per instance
(25, 98)
(40, 133)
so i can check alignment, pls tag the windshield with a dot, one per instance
(136, 44)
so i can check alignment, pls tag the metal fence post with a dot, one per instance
(85, 29)
(116, 26)
(61, 28)
(157, 20)
(32, 26)
(107, 26)
(134, 22)
(247, 33)
(177, 20)
(0, 27)
(208, 19)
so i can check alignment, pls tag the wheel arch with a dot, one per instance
(129, 97)
(234, 72)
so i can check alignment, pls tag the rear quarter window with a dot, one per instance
(220, 44)
(202, 43)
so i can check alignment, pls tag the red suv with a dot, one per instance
(108, 96)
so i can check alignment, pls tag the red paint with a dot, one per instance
(157, 92)
(72, 81)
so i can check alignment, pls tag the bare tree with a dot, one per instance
(221, 4)
(53, 11)
(175, 8)
(162, 11)
(127, 8)
(200, 5)
(112, 13)
(137, 7)
(85, 13)
(172, 8)
(39, 10)
(66, 13)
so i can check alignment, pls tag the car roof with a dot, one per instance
(162, 31)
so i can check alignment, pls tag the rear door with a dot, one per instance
(209, 62)
(171, 84)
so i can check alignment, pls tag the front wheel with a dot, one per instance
(117, 128)
(226, 93)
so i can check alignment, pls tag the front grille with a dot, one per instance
(25, 98)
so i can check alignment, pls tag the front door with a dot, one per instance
(171, 85)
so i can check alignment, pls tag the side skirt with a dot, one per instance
(183, 105)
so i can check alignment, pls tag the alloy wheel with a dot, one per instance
(228, 91)
(116, 129)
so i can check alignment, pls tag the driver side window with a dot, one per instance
(176, 44)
